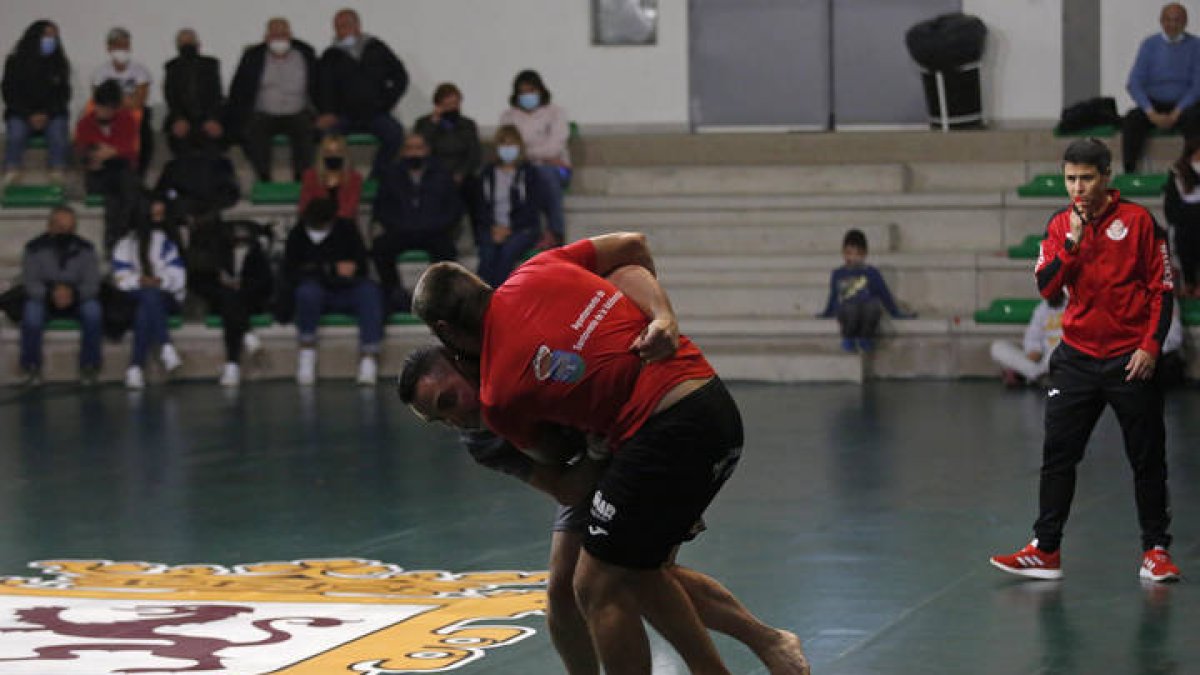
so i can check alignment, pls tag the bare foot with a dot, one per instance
(786, 657)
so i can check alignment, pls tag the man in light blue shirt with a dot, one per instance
(1164, 84)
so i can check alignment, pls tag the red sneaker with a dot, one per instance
(1157, 566)
(1031, 562)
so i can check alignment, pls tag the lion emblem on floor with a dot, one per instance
(143, 634)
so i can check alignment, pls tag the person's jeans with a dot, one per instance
(555, 181)
(362, 299)
(58, 141)
(497, 261)
(260, 133)
(383, 126)
(150, 321)
(33, 324)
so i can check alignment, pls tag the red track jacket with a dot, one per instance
(1118, 277)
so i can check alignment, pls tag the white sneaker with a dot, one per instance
(251, 343)
(231, 375)
(170, 358)
(368, 371)
(306, 367)
(134, 378)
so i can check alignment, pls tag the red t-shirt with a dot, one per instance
(121, 133)
(556, 343)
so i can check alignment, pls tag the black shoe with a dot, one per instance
(89, 376)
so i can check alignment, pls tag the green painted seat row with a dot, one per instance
(1130, 185)
(256, 321)
(288, 192)
(1020, 310)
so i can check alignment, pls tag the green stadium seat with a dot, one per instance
(413, 257)
(1029, 248)
(1189, 311)
(1140, 184)
(32, 196)
(275, 193)
(280, 140)
(370, 188)
(256, 321)
(93, 200)
(1044, 185)
(338, 320)
(38, 141)
(530, 253)
(174, 322)
(1008, 310)
(62, 324)
(361, 139)
(1101, 131)
(574, 133)
(404, 319)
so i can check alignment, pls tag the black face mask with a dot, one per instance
(188, 51)
(60, 239)
(414, 163)
(451, 116)
(335, 163)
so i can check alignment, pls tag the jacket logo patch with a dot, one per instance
(1117, 231)
(307, 617)
(558, 365)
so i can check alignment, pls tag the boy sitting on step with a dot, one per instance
(858, 295)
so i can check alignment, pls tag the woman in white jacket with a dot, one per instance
(146, 264)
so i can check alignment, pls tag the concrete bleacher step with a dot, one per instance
(705, 180)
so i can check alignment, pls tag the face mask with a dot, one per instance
(529, 100)
(451, 116)
(348, 41)
(414, 163)
(120, 56)
(508, 153)
(334, 163)
(189, 50)
(279, 47)
(49, 45)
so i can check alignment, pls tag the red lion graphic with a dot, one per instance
(201, 650)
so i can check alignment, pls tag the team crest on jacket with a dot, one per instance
(1117, 231)
(557, 365)
(306, 617)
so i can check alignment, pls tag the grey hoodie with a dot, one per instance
(69, 260)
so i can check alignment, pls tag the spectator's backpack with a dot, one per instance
(1093, 112)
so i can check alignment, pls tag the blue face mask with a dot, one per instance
(348, 41)
(529, 100)
(49, 45)
(508, 153)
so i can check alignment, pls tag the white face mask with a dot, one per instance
(279, 47)
(348, 41)
(120, 56)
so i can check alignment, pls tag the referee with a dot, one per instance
(1112, 258)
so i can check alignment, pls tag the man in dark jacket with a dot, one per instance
(361, 81)
(418, 206)
(273, 92)
(192, 88)
(61, 274)
(325, 268)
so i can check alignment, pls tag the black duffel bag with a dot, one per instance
(1093, 112)
(946, 42)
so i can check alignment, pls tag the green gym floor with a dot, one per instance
(861, 518)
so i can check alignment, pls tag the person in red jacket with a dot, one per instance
(333, 177)
(107, 142)
(1112, 258)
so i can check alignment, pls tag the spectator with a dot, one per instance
(1165, 85)
(1031, 362)
(545, 130)
(513, 200)
(858, 295)
(146, 265)
(418, 207)
(228, 267)
(198, 184)
(37, 90)
(325, 266)
(106, 139)
(192, 87)
(273, 92)
(61, 275)
(361, 81)
(452, 137)
(135, 80)
(1182, 208)
(333, 177)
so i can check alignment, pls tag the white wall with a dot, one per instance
(478, 44)
(1022, 73)
(481, 44)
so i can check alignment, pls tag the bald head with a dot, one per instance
(452, 301)
(346, 24)
(278, 29)
(1173, 20)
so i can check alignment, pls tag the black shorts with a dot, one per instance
(661, 480)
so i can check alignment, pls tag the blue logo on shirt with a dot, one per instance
(558, 365)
